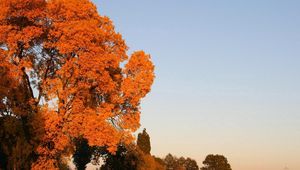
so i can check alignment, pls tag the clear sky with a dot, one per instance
(227, 77)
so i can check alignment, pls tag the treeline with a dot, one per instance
(138, 157)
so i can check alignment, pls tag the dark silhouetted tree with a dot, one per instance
(174, 163)
(123, 159)
(216, 162)
(190, 164)
(83, 153)
(143, 142)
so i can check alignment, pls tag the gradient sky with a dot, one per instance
(227, 77)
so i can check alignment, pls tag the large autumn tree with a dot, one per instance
(62, 80)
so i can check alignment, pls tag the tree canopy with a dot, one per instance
(174, 163)
(216, 162)
(63, 79)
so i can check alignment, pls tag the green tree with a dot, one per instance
(143, 142)
(216, 162)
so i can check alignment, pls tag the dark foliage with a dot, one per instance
(174, 163)
(143, 142)
(121, 160)
(216, 162)
(83, 154)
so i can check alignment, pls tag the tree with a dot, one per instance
(216, 162)
(126, 158)
(82, 154)
(159, 161)
(190, 164)
(143, 142)
(174, 163)
(131, 157)
(62, 79)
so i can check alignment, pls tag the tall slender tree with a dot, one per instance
(143, 142)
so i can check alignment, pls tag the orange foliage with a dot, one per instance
(63, 61)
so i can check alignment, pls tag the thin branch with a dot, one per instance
(27, 82)
(45, 77)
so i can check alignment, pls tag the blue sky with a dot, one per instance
(227, 77)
